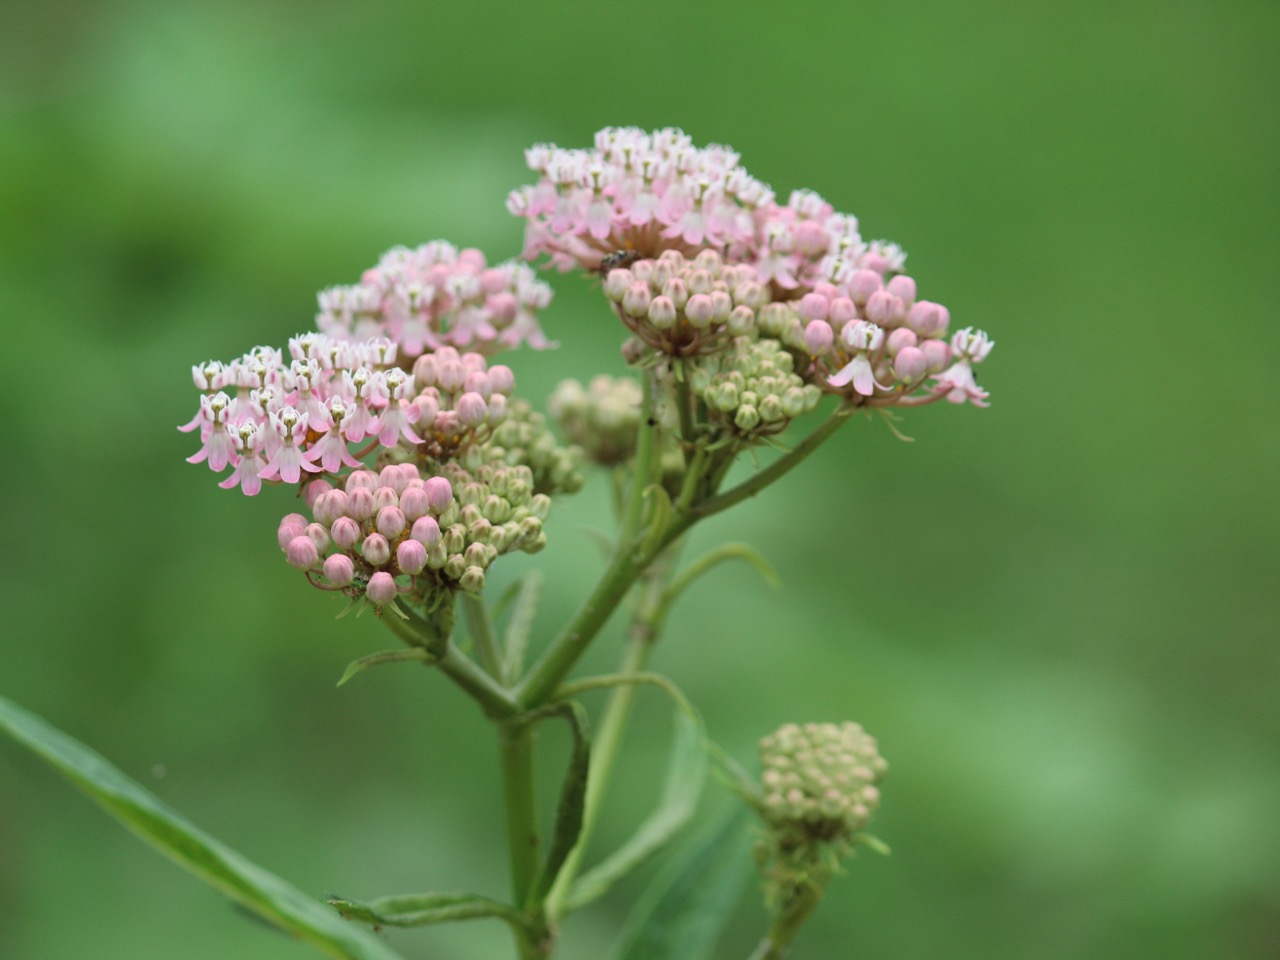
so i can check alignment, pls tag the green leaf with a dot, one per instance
(681, 914)
(421, 909)
(264, 894)
(516, 638)
(686, 772)
(716, 556)
(386, 656)
(659, 521)
(573, 794)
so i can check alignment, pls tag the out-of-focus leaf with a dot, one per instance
(681, 914)
(266, 895)
(421, 909)
(685, 774)
(516, 638)
(385, 656)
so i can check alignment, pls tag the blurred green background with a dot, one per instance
(1059, 615)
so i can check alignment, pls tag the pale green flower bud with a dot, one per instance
(747, 418)
(472, 580)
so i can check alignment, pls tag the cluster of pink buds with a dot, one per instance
(287, 418)
(873, 342)
(686, 307)
(436, 295)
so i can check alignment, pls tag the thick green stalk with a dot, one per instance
(495, 699)
(515, 740)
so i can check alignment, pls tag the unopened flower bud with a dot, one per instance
(345, 532)
(771, 409)
(699, 310)
(910, 364)
(301, 553)
(471, 410)
(724, 397)
(928, 319)
(476, 555)
(636, 300)
(411, 556)
(742, 320)
(375, 549)
(937, 355)
(617, 283)
(472, 580)
(339, 569)
(439, 493)
(904, 288)
(381, 589)
(899, 338)
(315, 489)
(318, 534)
(385, 497)
(454, 566)
(818, 337)
(662, 313)
(455, 538)
(290, 527)
(747, 418)
(863, 284)
(813, 306)
(414, 503)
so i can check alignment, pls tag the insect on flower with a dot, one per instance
(617, 260)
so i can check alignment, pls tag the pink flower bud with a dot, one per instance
(937, 355)
(904, 288)
(928, 319)
(317, 534)
(501, 379)
(841, 311)
(497, 409)
(677, 291)
(863, 284)
(385, 497)
(814, 306)
(315, 489)
(339, 570)
(699, 309)
(478, 382)
(503, 306)
(393, 477)
(345, 532)
(439, 492)
(635, 302)
(883, 308)
(452, 375)
(411, 556)
(290, 527)
(330, 506)
(391, 522)
(662, 313)
(818, 337)
(381, 589)
(301, 553)
(471, 410)
(910, 364)
(428, 409)
(375, 549)
(414, 503)
(426, 531)
(362, 478)
(617, 283)
(902, 337)
(721, 306)
(425, 370)
(360, 503)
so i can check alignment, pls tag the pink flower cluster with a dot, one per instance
(875, 343)
(650, 192)
(436, 295)
(275, 416)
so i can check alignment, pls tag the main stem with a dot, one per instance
(519, 790)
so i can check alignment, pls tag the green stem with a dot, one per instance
(481, 626)
(495, 699)
(684, 406)
(515, 740)
(646, 456)
(775, 470)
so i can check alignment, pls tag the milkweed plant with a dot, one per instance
(399, 421)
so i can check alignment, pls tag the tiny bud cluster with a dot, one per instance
(524, 439)
(685, 307)
(436, 295)
(819, 779)
(752, 387)
(602, 418)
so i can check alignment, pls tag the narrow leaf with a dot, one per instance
(661, 517)
(573, 794)
(715, 557)
(386, 656)
(686, 772)
(261, 892)
(418, 910)
(681, 914)
(516, 639)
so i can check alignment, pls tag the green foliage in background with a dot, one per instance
(1058, 615)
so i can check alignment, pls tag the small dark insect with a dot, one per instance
(616, 260)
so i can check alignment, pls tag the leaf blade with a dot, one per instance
(254, 888)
